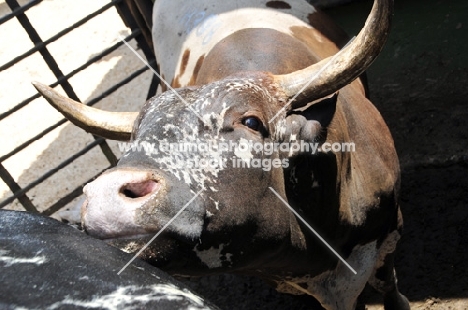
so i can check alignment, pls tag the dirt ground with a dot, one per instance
(420, 85)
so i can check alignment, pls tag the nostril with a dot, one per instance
(129, 193)
(139, 189)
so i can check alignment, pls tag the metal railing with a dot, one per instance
(136, 14)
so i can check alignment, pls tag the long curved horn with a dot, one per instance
(110, 125)
(332, 73)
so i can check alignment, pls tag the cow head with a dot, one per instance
(235, 220)
(231, 219)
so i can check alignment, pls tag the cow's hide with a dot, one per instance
(45, 264)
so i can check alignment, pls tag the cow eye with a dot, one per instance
(252, 122)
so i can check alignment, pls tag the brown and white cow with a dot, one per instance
(235, 65)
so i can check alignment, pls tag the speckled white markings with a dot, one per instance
(133, 297)
(243, 150)
(9, 260)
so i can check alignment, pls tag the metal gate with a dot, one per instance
(39, 173)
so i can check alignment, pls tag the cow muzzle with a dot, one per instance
(113, 199)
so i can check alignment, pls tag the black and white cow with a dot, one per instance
(45, 264)
(236, 66)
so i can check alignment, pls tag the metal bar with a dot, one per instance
(36, 39)
(107, 151)
(14, 187)
(71, 74)
(146, 9)
(138, 13)
(19, 10)
(138, 20)
(64, 200)
(53, 66)
(109, 91)
(113, 88)
(153, 86)
(40, 45)
(51, 172)
(62, 121)
(18, 192)
(132, 17)
(19, 106)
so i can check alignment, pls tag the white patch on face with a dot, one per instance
(214, 121)
(167, 127)
(191, 153)
(185, 152)
(221, 118)
(125, 298)
(212, 257)
(216, 203)
(200, 163)
(243, 151)
(9, 260)
(186, 177)
(248, 84)
(339, 288)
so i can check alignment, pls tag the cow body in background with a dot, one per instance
(199, 43)
(46, 264)
(258, 72)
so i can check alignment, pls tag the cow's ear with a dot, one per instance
(310, 123)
